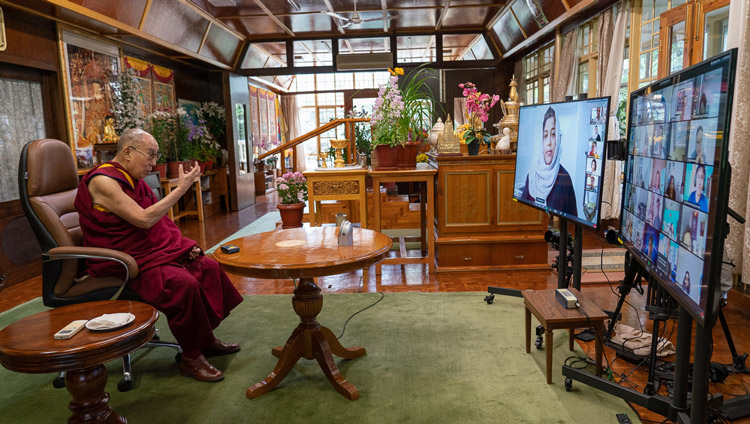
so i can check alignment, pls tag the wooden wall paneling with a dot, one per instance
(176, 23)
(128, 12)
(21, 256)
(31, 40)
(241, 184)
(467, 201)
(511, 213)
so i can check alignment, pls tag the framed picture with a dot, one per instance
(163, 96)
(90, 69)
(3, 43)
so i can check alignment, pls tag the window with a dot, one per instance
(589, 52)
(644, 43)
(416, 49)
(537, 67)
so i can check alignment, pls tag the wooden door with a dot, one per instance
(239, 141)
(711, 29)
(674, 43)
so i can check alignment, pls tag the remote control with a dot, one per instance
(623, 419)
(70, 330)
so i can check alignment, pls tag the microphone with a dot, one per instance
(612, 237)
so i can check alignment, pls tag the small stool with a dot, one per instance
(553, 316)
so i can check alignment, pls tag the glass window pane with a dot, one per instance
(660, 7)
(305, 82)
(655, 62)
(465, 47)
(364, 45)
(716, 31)
(647, 10)
(416, 48)
(546, 90)
(363, 80)
(380, 78)
(265, 55)
(306, 100)
(344, 81)
(313, 53)
(646, 37)
(677, 47)
(644, 68)
(326, 99)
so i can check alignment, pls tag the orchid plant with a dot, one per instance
(292, 188)
(478, 105)
(402, 109)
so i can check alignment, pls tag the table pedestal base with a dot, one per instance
(89, 404)
(309, 340)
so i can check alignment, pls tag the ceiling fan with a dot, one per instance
(355, 19)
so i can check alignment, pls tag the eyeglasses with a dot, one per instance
(151, 156)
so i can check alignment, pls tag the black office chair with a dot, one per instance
(47, 184)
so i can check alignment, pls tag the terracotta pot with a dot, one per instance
(209, 165)
(407, 156)
(173, 169)
(386, 157)
(202, 166)
(161, 168)
(291, 215)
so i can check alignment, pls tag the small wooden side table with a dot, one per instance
(27, 346)
(426, 177)
(347, 184)
(552, 315)
(174, 213)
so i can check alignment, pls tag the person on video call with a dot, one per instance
(697, 196)
(593, 149)
(699, 154)
(686, 283)
(597, 136)
(658, 145)
(593, 166)
(670, 190)
(651, 252)
(656, 182)
(548, 182)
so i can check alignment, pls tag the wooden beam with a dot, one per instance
(274, 18)
(145, 13)
(550, 27)
(387, 9)
(446, 6)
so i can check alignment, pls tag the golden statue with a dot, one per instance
(448, 144)
(109, 136)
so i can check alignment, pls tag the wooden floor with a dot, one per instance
(415, 278)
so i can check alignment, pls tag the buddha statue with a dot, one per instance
(108, 134)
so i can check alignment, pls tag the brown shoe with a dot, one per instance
(221, 348)
(199, 369)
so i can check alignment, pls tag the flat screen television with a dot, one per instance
(675, 192)
(560, 158)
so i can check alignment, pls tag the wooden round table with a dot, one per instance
(305, 253)
(27, 346)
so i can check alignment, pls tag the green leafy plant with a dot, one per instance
(125, 106)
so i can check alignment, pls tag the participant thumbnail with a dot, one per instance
(593, 166)
(690, 274)
(678, 142)
(698, 185)
(662, 260)
(650, 244)
(702, 142)
(671, 220)
(596, 132)
(641, 202)
(653, 216)
(683, 101)
(658, 174)
(598, 115)
(708, 95)
(643, 172)
(660, 144)
(592, 182)
(673, 185)
(595, 149)
(674, 250)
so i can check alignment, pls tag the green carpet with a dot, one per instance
(265, 223)
(431, 358)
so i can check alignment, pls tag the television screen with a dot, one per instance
(676, 180)
(560, 158)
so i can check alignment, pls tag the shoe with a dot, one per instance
(221, 348)
(199, 369)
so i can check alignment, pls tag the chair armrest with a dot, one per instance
(80, 252)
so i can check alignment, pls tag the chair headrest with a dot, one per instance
(51, 167)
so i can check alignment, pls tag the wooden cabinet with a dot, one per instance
(479, 225)
(215, 189)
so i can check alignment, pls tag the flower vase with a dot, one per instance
(386, 157)
(473, 148)
(291, 214)
(407, 156)
(161, 168)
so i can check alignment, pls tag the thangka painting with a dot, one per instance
(90, 72)
(143, 74)
(263, 116)
(272, 127)
(163, 96)
(254, 116)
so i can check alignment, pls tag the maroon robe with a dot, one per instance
(195, 295)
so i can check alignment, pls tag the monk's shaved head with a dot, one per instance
(131, 137)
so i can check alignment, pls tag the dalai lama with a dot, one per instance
(118, 210)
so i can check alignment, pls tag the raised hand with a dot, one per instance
(186, 179)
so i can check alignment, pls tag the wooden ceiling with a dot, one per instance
(217, 32)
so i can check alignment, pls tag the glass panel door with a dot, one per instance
(242, 145)
(714, 21)
(673, 40)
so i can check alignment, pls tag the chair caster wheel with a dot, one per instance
(178, 358)
(124, 386)
(568, 384)
(58, 382)
(489, 299)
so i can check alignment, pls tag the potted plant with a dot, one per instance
(292, 189)
(162, 125)
(399, 111)
(478, 105)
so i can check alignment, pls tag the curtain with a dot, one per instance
(568, 66)
(21, 120)
(459, 111)
(290, 117)
(609, 75)
(738, 242)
